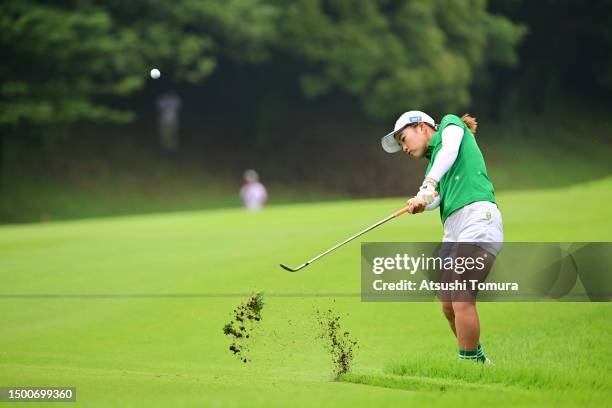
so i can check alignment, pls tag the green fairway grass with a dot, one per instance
(130, 310)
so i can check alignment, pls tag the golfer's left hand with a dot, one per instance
(416, 205)
(428, 192)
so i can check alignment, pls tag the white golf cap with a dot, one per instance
(389, 144)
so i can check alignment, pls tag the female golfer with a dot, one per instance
(455, 180)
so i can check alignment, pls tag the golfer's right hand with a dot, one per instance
(416, 205)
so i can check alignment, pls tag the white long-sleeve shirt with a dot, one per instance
(452, 136)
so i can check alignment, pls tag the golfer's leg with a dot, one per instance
(447, 276)
(447, 309)
(467, 325)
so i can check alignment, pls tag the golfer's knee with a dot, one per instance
(447, 309)
(461, 308)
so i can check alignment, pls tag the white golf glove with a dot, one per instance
(427, 192)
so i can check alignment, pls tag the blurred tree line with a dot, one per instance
(567, 54)
(72, 61)
(65, 61)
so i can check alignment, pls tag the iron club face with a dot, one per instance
(285, 267)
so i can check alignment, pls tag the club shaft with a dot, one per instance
(352, 238)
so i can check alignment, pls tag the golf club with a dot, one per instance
(379, 223)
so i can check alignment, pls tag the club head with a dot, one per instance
(285, 267)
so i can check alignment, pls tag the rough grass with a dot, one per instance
(566, 351)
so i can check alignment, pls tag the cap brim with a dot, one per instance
(389, 144)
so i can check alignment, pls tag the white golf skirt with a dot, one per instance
(479, 223)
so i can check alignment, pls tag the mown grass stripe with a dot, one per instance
(414, 383)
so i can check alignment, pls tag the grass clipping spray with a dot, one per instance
(240, 328)
(338, 342)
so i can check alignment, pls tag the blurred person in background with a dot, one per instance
(253, 193)
(168, 105)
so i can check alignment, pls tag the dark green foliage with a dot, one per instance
(65, 61)
(57, 58)
(393, 54)
(61, 58)
(566, 52)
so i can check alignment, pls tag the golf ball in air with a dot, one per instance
(155, 73)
